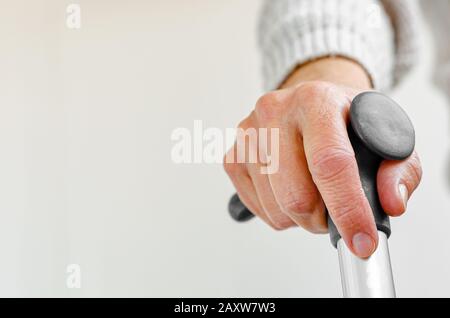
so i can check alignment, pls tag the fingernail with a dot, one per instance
(404, 194)
(363, 245)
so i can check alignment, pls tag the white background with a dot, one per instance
(86, 175)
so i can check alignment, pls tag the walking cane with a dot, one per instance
(379, 129)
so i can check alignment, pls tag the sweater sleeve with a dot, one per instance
(438, 17)
(293, 32)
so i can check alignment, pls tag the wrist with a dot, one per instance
(337, 70)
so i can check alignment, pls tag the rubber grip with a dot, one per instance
(379, 129)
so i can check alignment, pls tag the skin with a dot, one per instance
(317, 167)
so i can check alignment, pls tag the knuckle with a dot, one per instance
(415, 169)
(314, 88)
(299, 203)
(328, 163)
(267, 107)
(232, 169)
(244, 124)
(328, 99)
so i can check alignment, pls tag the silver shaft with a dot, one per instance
(367, 278)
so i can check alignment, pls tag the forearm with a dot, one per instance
(336, 70)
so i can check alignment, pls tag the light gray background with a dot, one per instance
(86, 175)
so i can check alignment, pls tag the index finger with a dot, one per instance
(331, 161)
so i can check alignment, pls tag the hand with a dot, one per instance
(317, 167)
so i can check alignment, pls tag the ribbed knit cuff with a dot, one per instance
(293, 32)
(404, 15)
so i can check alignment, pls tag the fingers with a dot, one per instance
(244, 187)
(334, 170)
(292, 191)
(290, 213)
(396, 182)
(252, 186)
(271, 209)
(293, 187)
(255, 193)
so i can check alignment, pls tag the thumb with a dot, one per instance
(396, 182)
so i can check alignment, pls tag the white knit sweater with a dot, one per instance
(438, 15)
(379, 34)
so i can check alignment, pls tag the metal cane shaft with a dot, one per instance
(366, 278)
